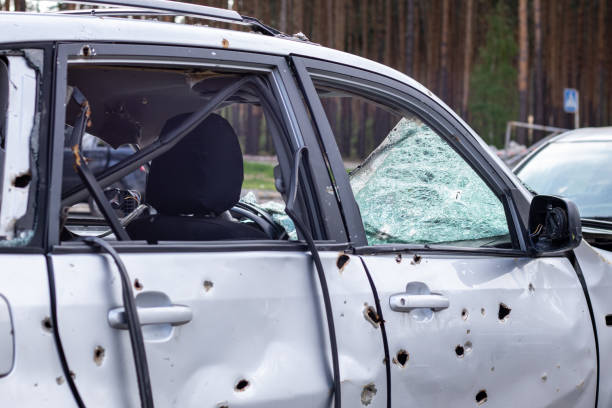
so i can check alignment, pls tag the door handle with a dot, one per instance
(173, 314)
(404, 302)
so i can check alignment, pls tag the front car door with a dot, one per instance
(253, 328)
(470, 318)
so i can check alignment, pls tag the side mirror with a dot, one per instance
(554, 224)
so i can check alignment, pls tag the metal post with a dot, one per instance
(577, 113)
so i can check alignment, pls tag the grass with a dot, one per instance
(258, 176)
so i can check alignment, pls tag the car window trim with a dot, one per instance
(408, 98)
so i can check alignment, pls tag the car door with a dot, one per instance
(29, 367)
(235, 323)
(469, 317)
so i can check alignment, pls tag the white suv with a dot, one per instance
(428, 276)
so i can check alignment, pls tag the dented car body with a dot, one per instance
(428, 276)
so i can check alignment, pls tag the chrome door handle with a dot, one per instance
(174, 315)
(404, 302)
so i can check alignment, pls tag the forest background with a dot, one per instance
(491, 61)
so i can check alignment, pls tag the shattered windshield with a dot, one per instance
(415, 189)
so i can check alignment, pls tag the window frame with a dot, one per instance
(392, 92)
(313, 185)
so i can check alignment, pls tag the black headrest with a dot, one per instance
(202, 174)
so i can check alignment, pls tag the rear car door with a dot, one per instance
(235, 323)
(469, 317)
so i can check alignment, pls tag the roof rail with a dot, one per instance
(171, 8)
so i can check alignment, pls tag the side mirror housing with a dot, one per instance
(554, 225)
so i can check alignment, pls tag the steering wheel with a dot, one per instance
(262, 219)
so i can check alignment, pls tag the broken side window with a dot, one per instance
(224, 174)
(410, 185)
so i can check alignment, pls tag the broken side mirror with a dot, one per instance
(554, 225)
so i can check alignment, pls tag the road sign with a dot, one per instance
(570, 100)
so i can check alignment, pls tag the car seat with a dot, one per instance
(193, 185)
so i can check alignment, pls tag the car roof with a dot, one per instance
(21, 27)
(593, 134)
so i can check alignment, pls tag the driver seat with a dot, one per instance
(193, 185)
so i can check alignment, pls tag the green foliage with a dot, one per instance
(258, 176)
(493, 91)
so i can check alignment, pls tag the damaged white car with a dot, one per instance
(428, 276)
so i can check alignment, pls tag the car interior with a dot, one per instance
(191, 192)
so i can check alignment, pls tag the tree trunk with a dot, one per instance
(523, 68)
(20, 5)
(409, 37)
(444, 52)
(282, 19)
(601, 56)
(467, 58)
(364, 28)
(539, 80)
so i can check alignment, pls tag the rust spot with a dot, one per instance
(371, 315)
(22, 180)
(242, 385)
(544, 377)
(416, 259)
(342, 261)
(464, 314)
(467, 346)
(481, 397)
(225, 43)
(137, 284)
(59, 380)
(459, 351)
(401, 358)
(208, 285)
(503, 313)
(492, 368)
(398, 258)
(468, 331)
(368, 393)
(99, 354)
(46, 324)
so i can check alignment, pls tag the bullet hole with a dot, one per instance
(137, 284)
(371, 315)
(531, 288)
(459, 351)
(503, 313)
(481, 397)
(544, 377)
(468, 331)
(492, 369)
(467, 346)
(72, 375)
(59, 380)
(208, 285)
(416, 259)
(87, 51)
(242, 385)
(35, 384)
(609, 320)
(225, 43)
(483, 311)
(464, 314)
(46, 324)
(99, 354)
(398, 258)
(368, 393)
(402, 358)
(343, 259)
(22, 180)
(222, 405)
